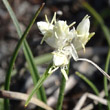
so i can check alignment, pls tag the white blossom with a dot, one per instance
(57, 33)
(66, 42)
(83, 34)
(60, 59)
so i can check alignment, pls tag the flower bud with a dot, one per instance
(83, 34)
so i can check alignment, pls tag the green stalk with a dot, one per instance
(28, 54)
(105, 80)
(8, 76)
(94, 88)
(33, 70)
(61, 92)
(107, 36)
(39, 84)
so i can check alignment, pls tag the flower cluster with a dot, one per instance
(66, 42)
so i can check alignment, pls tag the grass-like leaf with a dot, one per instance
(26, 49)
(105, 79)
(39, 84)
(94, 88)
(39, 60)
(107, 36)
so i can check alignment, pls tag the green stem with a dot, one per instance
(8, 75)
(107, 36)
(61, 92)
(94, 88)
(12, 61)
(33, 70)
(39, 84)
(105, 79)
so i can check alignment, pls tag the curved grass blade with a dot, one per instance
(94, 88)
(39, 84)
(105, 79)
(30, 58)
(106, 70)
(107, 36)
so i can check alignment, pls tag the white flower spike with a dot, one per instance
(66, 42)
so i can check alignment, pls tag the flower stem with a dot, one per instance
(91, 62)
(61, 92)
(39, 84)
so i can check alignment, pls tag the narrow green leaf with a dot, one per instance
(27, 52)
(105, 79)
(39, 84)
(39, 60)
(94, 88)
(106, 70)
(1, 100)
(1, 104)
(107, 36)
(33, 70)
(30, 58)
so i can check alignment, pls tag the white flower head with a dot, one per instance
(66, 42)
(57, 33)
(60, 59)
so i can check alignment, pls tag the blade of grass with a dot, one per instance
(106, 69)
(61, 92)
(27, 51)
(39, 84)
(33, 70)
(25, 45)
(39, 60)
(99, 20)
(105, 79)
(17, 50)
(94, 88)
(1, 100)
(107, 36)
